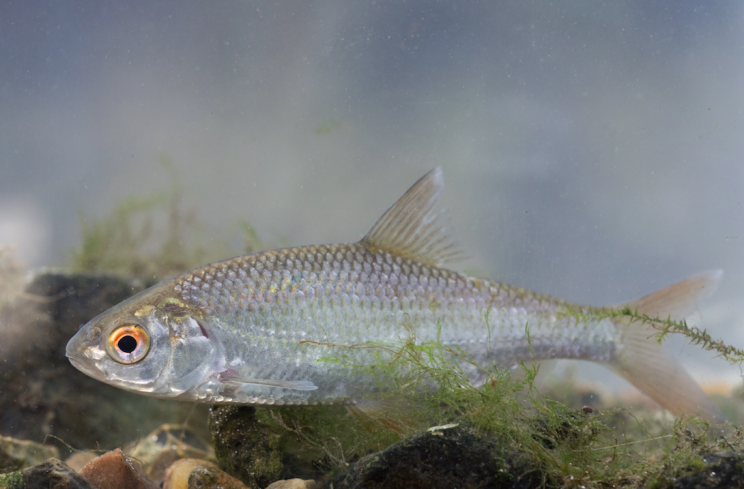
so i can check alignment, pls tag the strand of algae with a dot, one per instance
(663, 327)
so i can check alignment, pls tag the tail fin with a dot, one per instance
(648, 366)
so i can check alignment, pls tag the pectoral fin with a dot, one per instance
(298, 385)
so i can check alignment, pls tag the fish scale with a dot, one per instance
(347, 295)
(257, 329)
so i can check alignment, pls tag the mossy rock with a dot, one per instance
(719, 470)
(246, 448)
(443, 458)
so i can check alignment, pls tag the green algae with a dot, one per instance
(664, 327)
(11, 276)
(571, 447)
(145, 237)
(13, 480)
(129, 241)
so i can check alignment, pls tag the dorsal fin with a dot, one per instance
(413, 229)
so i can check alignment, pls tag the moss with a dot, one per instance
(320, 439)
(11, 276)
(245, 448)
(13, 480)
(144, 237)
(569, 447)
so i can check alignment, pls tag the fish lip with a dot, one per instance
(84, 365)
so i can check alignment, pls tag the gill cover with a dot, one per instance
(144, 345)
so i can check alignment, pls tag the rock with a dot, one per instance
(78, 459)
(158, 450)
(177, 475)
(42, 393)
(19, 454)
(198, 474)
(292, 484)
(54, 474)
(442, 458)
(210, 478)
(114, 470)
(722, 470)
(245, 448)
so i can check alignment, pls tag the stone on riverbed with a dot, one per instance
(452, 456)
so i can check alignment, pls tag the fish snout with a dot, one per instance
(85, 365)
(75, 353)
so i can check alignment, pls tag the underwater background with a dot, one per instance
(592, 151)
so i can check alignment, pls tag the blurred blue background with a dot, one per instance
(592, 150)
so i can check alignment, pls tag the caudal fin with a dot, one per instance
(648, 366)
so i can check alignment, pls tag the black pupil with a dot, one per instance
(127, 344)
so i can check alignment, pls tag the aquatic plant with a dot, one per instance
(11, 275)
(144, 237)
(664, 327)
(585, 447)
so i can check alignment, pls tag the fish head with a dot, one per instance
(152, 344)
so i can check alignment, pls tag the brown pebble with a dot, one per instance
(114, 470)
(78, 459)
(209, 478)
(177, 475)
(292, 484)
(163, 446)
(587, 409)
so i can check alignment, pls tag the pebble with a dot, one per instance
(78, 459)
(54, 474)
(209, 478)
(177, 475)
(292, 484)
(114, 470)
(161, 448)
(19, 454)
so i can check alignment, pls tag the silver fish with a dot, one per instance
(253, 329)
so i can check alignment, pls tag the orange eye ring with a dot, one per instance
(128, 344)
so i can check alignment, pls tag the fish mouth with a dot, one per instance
(84, 365)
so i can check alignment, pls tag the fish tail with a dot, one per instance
(646, 364)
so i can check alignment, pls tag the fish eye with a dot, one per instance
(128, 344)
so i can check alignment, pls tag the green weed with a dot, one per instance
(663, 327)
(145, 236)
(581, 447)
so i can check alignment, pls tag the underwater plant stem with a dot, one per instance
(664, 327)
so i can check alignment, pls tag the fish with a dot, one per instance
(255, 329)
